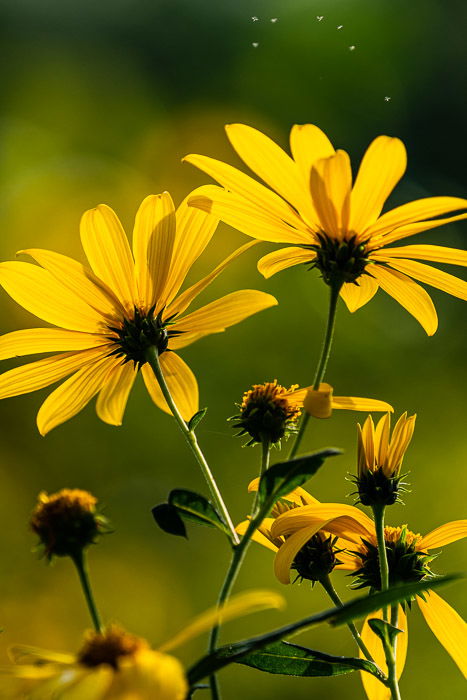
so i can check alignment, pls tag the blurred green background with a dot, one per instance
(100, 102)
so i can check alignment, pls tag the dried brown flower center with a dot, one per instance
(110, 647)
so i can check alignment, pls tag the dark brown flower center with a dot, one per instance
(109, 647)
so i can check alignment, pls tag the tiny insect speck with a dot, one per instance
(352, 48)
(319, 17)
(274, 19)
(340, 26)
(387, 98)
(255, 44)
(255, 19)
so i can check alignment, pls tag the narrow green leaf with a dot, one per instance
(196, 419)
(384, 630)
(193, 506)
(283, 477)
(168, 519)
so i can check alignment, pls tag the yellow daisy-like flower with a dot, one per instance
(116, 665)
(408, 558)
(332, 223)
(110, 313)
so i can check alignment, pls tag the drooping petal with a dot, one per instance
(248, 218)
(182, 302)
(432, 276)
(289, 550)
(279, 260)
(272, 164)
(381, 168)
(78, 279)
(39, 374)
(418, 210)
(153, 242)
(412, 229)
(410, 295)
(343, 520)
(108, 251)
(444, 534)
(36, 340)
(181, 382)
(308, 144)
(357, 295)
(356, 403)
(257, 536)
(226, 311)
(113, 396)
(237, 606)
(348, 562)
(39, 293)
(373, 688)
(433, 253)
(74, 394)
(448, 626)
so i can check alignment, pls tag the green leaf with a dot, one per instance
(168, 519)
(384, 630)
(293, 660)
(196, 419)
(195, 507)
(283, 477)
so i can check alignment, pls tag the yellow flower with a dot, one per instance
(320, 403)
(116, 665)
(408, 558)
(110, 313)
(331, 224)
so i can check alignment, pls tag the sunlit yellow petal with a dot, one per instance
(181, 382)
(412, 229)
(113, 396)
(348, 562)
(25, 654)
(226, 311)
(373, 688)
(368, 437)
(289, 550)
(410, 295)
(432, 276)
(448, 626)
(149, 674)
(331, 184)
(318, 402)
(400, 440)
(382, 431)
(418, 210)
(238, 605)
(359, 294)
(308, 144)
(60, 684)
(343, 520)
(445, 534)
(433, 253)
(382, 167)
(107, 249)
(299, 495)
(256, 536)
(36, 340)
(181, 341)
(356, 403)
(279, 260)
(91, 685)
(74, 394)
(39, 293)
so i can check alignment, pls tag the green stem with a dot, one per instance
(332, 593)
(79, 560)
(392, 683)
(323, 361)
(152, 356)
(265, 453)
(378, 514)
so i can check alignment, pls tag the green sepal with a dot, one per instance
(283, 477)
(196, 419)
(187, 505)
(384, 630)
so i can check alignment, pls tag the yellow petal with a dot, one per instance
(448, 626)
(382, 167)
(78, 279)
(356, 403)
(244, 186)
(74, 394)
(279, 260)
(226, 311)
(349, 562)
(400, 440)
(445, 534)
(153, 242)
(239, 605)
(182, 302)
(410, 295)
(181, 382)
(24, 654)
(368, 438)
(248, 218)
(39, 293)
(432, 276)
(359, 294)
(382, 438)
(434, 253)
(417, 210)
(92, 685)
(62, 683)
(181, 341)
(107, 249)
(149, 674)
(318, 403)
(331, 184)
(373, 688)
(257, 536)
(308, 144)
(298, 495)
(36, 340)
(272, 164)
(412, 229)
(343, 520)
(37, 375)
(113, 396)
(289, 550)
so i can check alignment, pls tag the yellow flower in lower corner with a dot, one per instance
(331, 222)
(116, 665)
(109, 314)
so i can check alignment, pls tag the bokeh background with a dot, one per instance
(100, 103)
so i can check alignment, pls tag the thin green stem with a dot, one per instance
(152, 356)
(79, 560)
(265, 453)
(378, 514)
(323, 361)
(332, 593)
(392, 683)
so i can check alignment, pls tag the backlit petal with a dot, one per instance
(74, 394)
(432, 276)
(382, 438)
(299, 495)
(417, 210)
(357, 295)
(107, 249)
(36, 340)
(289, 550)
(331, 184)
(279, 260)
(356, 403)
(39, 293)
(444, 534)
(343, 520)
(410, 295)
(256, 536)
(412, 229)
(400, 440)
(448, 626)
(113, 396)
(181, 382)
(382, 167)
(92, 685)
(433, 253)
(308, 144)
(373, 688)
